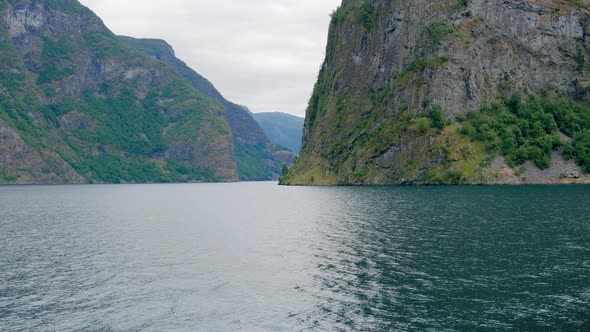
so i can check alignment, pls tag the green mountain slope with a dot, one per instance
(257, 158)
(451, 92)
(78, 105)
(283, 129)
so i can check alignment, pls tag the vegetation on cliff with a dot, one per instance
(81, 106)
(450, 92)
(529, 129)
(257, 157)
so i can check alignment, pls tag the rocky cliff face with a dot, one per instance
(404, 82)
(256, 156)
(78, 105)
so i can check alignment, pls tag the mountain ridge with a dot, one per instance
(256, 156)
(78, 105)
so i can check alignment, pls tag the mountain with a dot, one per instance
(257, 158)
(451, 92)
(79, 105)
(283, 129)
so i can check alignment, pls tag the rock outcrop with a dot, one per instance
(401, 78)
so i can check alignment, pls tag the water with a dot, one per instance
(258, 257)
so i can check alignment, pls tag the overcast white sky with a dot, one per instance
(264, 54)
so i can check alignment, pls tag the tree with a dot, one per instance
(437, 117)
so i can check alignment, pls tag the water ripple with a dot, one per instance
(257, 257)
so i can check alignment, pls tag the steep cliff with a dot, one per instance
(257, 158)
(78, 105)
(451, 91)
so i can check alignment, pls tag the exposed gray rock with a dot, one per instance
(24, 18)
(558, 170)
(388, 58)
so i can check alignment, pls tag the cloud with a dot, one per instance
(264, 54)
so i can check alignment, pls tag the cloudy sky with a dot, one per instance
(264, 54)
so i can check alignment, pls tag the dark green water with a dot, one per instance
(258, 257)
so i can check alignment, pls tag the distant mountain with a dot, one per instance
(281, 128)
(257, 157)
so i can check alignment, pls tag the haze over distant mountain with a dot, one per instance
(451, 92)
(282, 128)
(78, 105)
